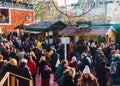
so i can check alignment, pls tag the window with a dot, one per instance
(29, 17)
(4, 16)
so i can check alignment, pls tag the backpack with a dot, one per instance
(115, 68)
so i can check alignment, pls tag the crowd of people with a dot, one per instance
(88, 63)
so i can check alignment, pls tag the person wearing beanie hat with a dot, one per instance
(24, 60)
(23, 70)
(87, 78)
(86, 70)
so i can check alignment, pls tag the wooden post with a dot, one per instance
(31, 83)
(12, 80)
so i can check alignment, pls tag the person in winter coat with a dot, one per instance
(85, 60)
(33, 69)
(3, 64)
(102, 70)
(60, 69)
(76, 65)
(38, 53)
(24, 71)
(115, 68)
(54, 58)
(69, 77)
(20, 55)
(11, 67)
(87, 79)
(45, 71)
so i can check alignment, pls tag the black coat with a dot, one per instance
(101, 73)
(54, 58)
(10, 68)
(68, 81)
(44, 74)
(84, 62)
(24, 71)
(38, 53)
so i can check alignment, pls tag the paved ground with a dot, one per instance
(38, 81)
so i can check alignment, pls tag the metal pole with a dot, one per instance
(65, 51)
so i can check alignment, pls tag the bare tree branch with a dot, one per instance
(72, 15)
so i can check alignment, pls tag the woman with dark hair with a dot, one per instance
(102, 70)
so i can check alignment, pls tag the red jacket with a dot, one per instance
(32, 66)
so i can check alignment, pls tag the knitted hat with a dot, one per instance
(86, 69)
(24, 60)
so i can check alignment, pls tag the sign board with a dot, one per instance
(65, 40)
(84, 25)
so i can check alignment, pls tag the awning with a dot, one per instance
(99, 30)
(39, 26)
(68, 30)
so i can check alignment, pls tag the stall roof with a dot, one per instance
(115, 26)
(58, 25)
(95, 30)
(46, 25)
(20, 26)
(38, 26)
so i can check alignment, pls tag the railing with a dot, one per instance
(11, 79)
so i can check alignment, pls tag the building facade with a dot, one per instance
(12, 14)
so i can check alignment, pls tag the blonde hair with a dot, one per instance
(32, 54)
(70, 71)
(102, 45)
(42, 59)
(13, 62)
